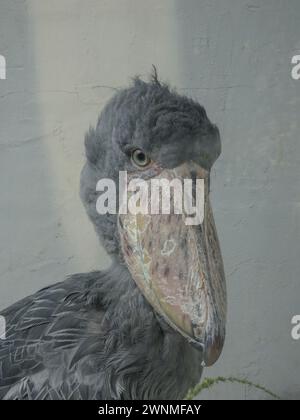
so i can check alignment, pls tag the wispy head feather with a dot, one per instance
(154, 75)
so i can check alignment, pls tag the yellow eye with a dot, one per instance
(140, 158)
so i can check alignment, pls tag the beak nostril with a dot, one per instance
(193, 175)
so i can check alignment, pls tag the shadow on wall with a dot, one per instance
(235, 59)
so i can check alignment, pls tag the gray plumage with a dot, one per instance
(94, 336)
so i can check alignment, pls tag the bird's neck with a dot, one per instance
(120, 280)
(141, 343)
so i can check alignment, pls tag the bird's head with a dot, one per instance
(153, 133)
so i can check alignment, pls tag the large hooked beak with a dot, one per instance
(178, 267)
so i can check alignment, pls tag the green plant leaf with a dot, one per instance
(210, 382)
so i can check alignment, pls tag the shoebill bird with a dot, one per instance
(144, 328)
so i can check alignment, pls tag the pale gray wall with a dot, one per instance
(64, 60)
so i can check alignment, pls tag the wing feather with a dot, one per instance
(49, 339)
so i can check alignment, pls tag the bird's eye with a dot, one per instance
(140, 158)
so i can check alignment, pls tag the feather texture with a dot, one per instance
(93, 336)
